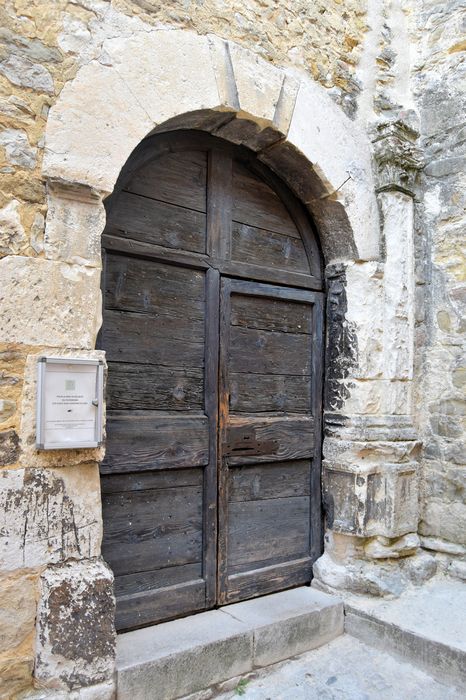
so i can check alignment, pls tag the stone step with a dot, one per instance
(181, 657)
(425, 626)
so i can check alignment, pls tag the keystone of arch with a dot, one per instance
(155, 80)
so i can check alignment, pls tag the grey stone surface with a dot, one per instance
(426, 626)
(289, 623)
(187, 656)
(75, 640)
(345, 669)
(182, 656)
(21, 71)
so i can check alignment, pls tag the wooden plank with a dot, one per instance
(143, 481)
(178, 178)
(154, 387)
(260, 393)
(156, 222)
(147, 286)
(142, 442)
(147, 607)
(256, 204)
(290, 437)
(219, 204)
(211, 409)
(270, 480)
(164, 340)
(268, 249)
(112, 240)
(269, 579)
(269, 352)
(270, 314)
(152, 529)
(127, 584)
(267, 531)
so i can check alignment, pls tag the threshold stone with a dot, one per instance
(181, 657)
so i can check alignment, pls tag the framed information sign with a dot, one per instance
(69, 403)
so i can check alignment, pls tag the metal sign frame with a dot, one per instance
(43, 364)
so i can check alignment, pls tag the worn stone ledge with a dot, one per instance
(424, 626)
(177, 658)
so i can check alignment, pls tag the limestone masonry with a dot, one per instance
(363, 102)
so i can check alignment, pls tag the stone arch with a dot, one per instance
(169, 79)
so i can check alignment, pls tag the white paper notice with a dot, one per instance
(70, 416)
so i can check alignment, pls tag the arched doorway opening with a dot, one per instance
(212, 327)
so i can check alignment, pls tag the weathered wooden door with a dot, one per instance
(212, 327)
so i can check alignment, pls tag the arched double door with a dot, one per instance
(212, 327)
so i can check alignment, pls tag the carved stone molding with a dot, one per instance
(397, 157)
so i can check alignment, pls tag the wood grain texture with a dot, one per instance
(163, 340)
(159, 223)
(269, 352)
(158, 387)
(177, 178)
(148, 529)
(270, 480)
(270, 314)
(149, 286)
(140, 442)
(156, 605)
(267, 531)
(268, 579)
(272, 393)
(256, 204)
(268, 249)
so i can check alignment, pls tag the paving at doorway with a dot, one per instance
(405, 649)
(345, 669)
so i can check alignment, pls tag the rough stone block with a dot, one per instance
(184, 656)
(289, 623)
(49, 515)
(371, 499)
(324, 137)
(258, 83)
(75, 221)
(75, 644)
(149, 78)
(18, 602)
(444, 508)
(15, 675)
(40, 301)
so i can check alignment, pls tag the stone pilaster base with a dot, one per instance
(377, 566)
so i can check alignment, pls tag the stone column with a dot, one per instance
(370, 470)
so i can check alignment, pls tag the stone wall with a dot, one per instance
(395, 319)
(50, 510)
(438, 78)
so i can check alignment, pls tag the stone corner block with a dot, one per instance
(75, 642)
(44, 302)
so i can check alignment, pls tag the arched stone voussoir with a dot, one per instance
(156, 80)
(340, 155)
(101, 116)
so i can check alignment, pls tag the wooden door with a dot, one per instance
(197, 228)
(269, 534)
